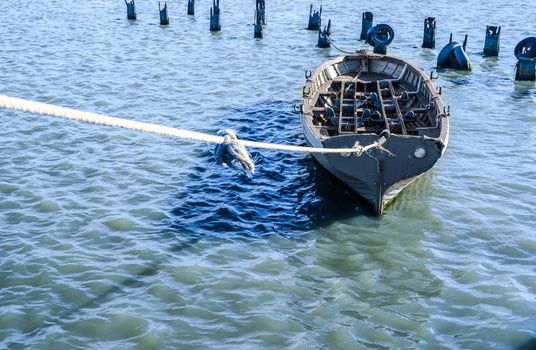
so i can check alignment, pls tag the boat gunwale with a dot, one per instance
(311, 91)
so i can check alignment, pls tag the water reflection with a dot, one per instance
(524, 89)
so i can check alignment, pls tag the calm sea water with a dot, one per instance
(114, 239)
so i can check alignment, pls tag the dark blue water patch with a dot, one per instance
(456, 77)
(289, 194)
(461, 81)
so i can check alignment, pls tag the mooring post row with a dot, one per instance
(453, 55)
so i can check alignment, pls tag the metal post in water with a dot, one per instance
(261, 8)
(191, 7)
(492, 43)
(525, 53)
(257, 32)
(131, 10)
(380, 49)
(324, 36)
(215, 25)
(164, 18)
(526, 69)
(315, 19)
(368, 20)
(428, 41)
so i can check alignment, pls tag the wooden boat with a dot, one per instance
(363, 98)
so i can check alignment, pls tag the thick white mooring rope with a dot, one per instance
(73, 114)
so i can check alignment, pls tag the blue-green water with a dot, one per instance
(113, 239)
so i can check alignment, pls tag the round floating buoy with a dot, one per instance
(453, 56)
(381, 34)
(525, 52)
(526, 48)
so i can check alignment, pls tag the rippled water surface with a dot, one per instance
(115, 239)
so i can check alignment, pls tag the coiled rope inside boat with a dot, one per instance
(73, 114)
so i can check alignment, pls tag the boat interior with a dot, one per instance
(369, 94)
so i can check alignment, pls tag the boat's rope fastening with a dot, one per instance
(73, 114)
(231, 153)
(341, 50)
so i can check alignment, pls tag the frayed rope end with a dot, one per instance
(233, 154)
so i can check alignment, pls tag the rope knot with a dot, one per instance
(233, 154)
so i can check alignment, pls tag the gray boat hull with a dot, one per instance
(378, 175)
(367, 98)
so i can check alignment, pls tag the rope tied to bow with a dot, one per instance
(232, 153)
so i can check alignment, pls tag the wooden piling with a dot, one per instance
(215, 24)
(428, 41)
(492, 43)
(164, 18)
(131, 10)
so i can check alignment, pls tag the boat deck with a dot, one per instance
(370, 96)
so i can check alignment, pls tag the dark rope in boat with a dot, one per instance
(341, 50)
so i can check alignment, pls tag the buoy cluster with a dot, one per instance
(453, 55)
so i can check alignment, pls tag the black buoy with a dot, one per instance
(315, 19)
(261, 8)
(453, 56)
(525, 53)
(368, 20)
(164, 18)
(380, 36)
(428, 41)
(215, 25)
(131, 10)
(257, 31)
(324, 36)
(492, 43)
(191, 7)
